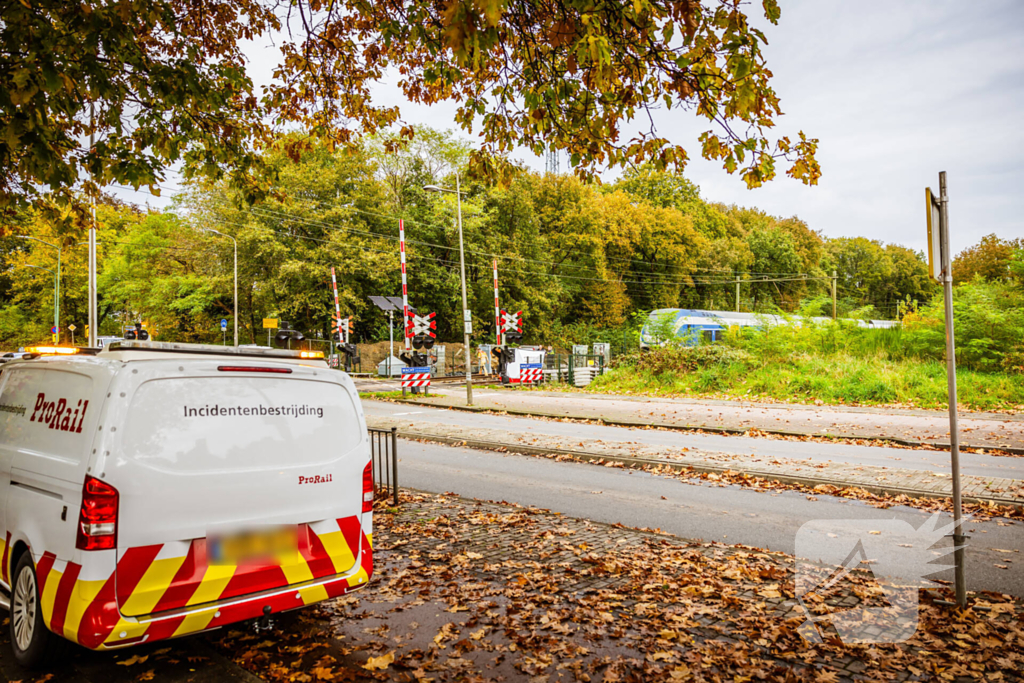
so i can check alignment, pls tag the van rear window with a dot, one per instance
(238, 423)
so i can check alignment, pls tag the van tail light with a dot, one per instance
(368, 488)
(97, 520)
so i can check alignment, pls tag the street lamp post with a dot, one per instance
(217, 232)
(465, 304)
(55, 285)
(56, 281)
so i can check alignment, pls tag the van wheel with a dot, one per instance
(31, 640)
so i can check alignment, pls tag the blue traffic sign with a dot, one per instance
(223, 324)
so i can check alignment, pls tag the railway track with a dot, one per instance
(451, 379)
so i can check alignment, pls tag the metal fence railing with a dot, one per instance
(384, 456)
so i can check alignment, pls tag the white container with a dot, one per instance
(396, 367)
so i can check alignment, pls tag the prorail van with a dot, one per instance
(692, 326)
(153, 490)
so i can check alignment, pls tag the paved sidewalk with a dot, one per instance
(471, 591)
(884, 480)
(912, 427)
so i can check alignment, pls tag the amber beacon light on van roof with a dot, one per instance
(54, 350)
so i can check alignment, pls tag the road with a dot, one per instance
(693, 510)
(980, 430)
(938, 461)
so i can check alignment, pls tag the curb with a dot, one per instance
(715, 430)
(704, 469)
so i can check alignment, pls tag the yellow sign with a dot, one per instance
(934, 222)
(270, 323)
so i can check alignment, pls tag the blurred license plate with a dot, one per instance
(268, 545)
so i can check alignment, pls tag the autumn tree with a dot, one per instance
(158, 82)
(154, 82)
(989, 259)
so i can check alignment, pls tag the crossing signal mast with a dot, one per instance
(522, 365)
(342, 328)
(419, 332)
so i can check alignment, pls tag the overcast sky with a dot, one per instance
(894, 91)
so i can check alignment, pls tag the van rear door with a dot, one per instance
(208, 455)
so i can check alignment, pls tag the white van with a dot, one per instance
(153, 490)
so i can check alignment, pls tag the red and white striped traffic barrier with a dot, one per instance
(530, 376)
(416, 379)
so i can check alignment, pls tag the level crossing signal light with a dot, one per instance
(286, 334)
(512, 326)
(136, 333)
(420, 328)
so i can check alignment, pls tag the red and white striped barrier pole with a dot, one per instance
(405, 286)
(497, 311)
(337, 309)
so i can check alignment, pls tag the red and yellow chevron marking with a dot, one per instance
(169, 590)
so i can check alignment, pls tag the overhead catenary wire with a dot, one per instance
(491, 255)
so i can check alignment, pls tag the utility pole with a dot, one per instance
(92, 241)
(834, 276)
(737, 293)
(467, 321)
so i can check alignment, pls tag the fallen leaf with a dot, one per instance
(379, 663)
(134, 659)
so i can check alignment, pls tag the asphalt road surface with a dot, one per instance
(981, 430)
(938, 461)
(729, 514)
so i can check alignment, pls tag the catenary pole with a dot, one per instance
(92, 245)
(959, 576)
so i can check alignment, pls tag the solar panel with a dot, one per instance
(397, 301)
(383, 303)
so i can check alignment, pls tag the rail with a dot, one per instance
(384, 456)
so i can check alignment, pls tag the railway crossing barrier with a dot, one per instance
(415, 377)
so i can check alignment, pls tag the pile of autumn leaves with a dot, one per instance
(472, 592)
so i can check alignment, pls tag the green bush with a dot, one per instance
(689, 358)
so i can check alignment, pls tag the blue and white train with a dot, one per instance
(692, 326)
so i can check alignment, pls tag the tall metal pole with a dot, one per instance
(236, 291)
(465, 303)
(56, 323)
(737, 293)
(391, 339)
(235, 242)
(92, 247)
(834, 276)
(959, 577)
